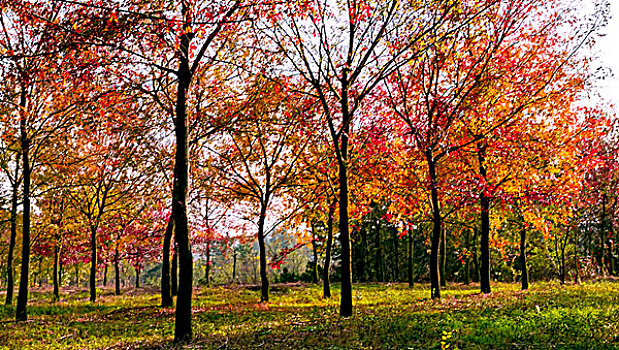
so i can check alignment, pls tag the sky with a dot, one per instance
(608, 48)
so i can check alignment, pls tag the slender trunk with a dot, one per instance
(611, 259)
(10, 282)
(602, 236)
(55, 270)
(234, 267)
(117, 274)
(22, 295)
(60, 272)
(378, 258)
(93, 264)
(616, 245)
(475, 255)
(484, 201)
(264, 279)
(435, 287)
(443, 258)
(207, 268)
(105, 269)
(77, 275)
(326, 279)
(315, 277)
(182, 327)
(174, 274)
(346, 308)
(411, 252)
(117, 264)
(524, 275)
(138, 269)
(38, 274)
(396, 257)
(166, 292)
(563, 241)
(467, 267)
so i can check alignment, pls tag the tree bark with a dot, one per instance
(22, 296)
(346, 307)
(435, 287)
(93, 264)
(411, 252)
(326, 279)
(166, 292)
(137, 276)
(602, 236)
(234, 266)
(182, 327)
(378, 258)
(117, 274)
(55, 271)
(10, 282)
(524, 274)
(484, 201)
(105, 270)
(207, 268)
(396, 257)
(443, 258)
(264, 278)
(174, 274)
(467, 271)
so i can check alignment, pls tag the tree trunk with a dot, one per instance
(117, 274)
(563, 242)
(174, 274)
(10, 282)
(435, 287)
(411, 252)
(264, 278)
(476, 255)
(443, 258)
(207, 268)
(105, 269)
(93, 264)
(378, 258)
(396, 257)
(234, 266)
(166, 292)
(346, 308)
(326, 279)
(611, 242)
(484, 201)
(60, 272)
(137, 276)
(22, 296)
(602, 236)
(77, 275)
(467, 271)
(55, 271)
(524, 275)
(182, 328)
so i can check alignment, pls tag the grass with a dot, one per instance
(387, 316)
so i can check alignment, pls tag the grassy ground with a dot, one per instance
(549, 316)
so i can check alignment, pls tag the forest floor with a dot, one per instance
(386, 316)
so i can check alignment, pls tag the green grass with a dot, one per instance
(387, 316)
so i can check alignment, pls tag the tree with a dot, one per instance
(260, 165)
(343, 53)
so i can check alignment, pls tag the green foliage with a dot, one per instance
(549, 316)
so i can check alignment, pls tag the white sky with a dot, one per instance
(608, 48)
